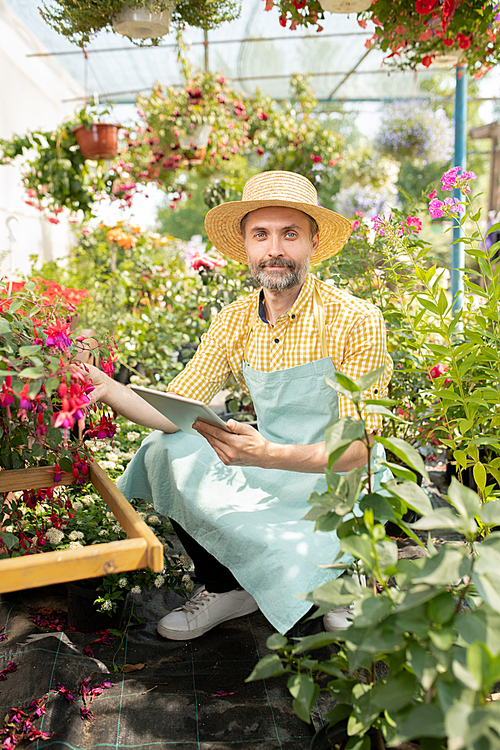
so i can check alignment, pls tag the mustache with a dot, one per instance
(280, 262)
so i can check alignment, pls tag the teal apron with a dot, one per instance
(249, 518)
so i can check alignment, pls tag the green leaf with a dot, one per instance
(31, 372)
(342, 384)
(304, 691)
(412, 494)
(276, 641)
(310, 642)
(405, 452)
(366, 381)
(401, 471)
(441, 518)
(479, 473)
(450, 564)
(396, 693)
(465, 500)
(425, 720)
(5, 327)
(481, 624)
(377, 409)
(490, 513)
(340, 434)
(8, 539)
(26, 351)
(269, 666)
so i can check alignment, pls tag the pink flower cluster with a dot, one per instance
(457, 178)
(448, 207)
(383, 225)
(437, 371)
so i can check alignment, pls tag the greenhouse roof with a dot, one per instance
(254, 51)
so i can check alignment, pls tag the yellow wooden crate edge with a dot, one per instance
(141, 550)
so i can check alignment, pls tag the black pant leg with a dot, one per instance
(207, 569)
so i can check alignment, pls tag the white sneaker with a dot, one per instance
(338, 619)
(203, 612)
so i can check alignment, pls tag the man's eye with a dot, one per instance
(291, 234)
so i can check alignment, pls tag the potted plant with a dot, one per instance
(149, 22)
(55, 174)
(419, 134)
(81, 22)
(98, 140)
(431, 621)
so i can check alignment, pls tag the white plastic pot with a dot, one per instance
(197, 138)
(140, 23)
(345, 6)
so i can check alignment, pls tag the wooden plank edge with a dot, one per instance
(36, 477)
(73, 565)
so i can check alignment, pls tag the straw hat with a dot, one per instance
(275, 188)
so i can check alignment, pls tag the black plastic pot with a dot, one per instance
(327, 737)
(82, 613)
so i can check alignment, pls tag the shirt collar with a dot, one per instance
(299, 304)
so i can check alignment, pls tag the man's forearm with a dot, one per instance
(312, 458)
(131, 406)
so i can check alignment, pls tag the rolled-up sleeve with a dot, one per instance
(365, 351)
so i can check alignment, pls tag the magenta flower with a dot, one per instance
(62, 690)
(86, 714)
(414, 223)
(454, 206)
(457, 177)
(436, 208)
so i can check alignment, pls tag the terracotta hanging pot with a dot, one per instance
(345, 6)
(141, 23)
(98, 142)
(195, 144)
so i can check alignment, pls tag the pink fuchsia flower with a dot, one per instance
(413, 223)
(58, 335)
(86, 714)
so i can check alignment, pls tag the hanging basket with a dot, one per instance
(99, 142)
(195, 144)
(140, 23)
(345, 6)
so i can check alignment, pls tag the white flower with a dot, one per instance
(185, 561)
(107, 605)
(86, 500)
(133, 435)
(159, 581)
(54, 536)
(103, 532)
(135, 590)
(73, 536)
(77, 505)
(74, 545)
(142, 516)
(122, 583)
(110, 516)
(9, 529)
(154, 520)
(107, 464)
(80, 534)
(116, 528)
(112, 456)
(187, 582)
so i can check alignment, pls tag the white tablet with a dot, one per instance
(183, 412)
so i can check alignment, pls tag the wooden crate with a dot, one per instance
(141, 550)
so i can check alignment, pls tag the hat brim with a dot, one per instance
(223, 227)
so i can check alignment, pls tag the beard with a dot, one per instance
(279, 281)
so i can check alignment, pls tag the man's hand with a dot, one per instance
(243, 446)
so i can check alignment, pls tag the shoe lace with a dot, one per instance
(197, 601)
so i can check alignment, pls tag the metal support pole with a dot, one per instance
(457, 259)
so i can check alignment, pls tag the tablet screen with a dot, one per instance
(182, 411)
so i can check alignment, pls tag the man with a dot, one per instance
(237, 499)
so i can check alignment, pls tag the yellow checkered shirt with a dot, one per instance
(355, 334)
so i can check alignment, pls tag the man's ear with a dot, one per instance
(315, 243)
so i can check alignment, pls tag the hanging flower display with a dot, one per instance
(417, 133)
(416, 32)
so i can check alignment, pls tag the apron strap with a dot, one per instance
(319, 318)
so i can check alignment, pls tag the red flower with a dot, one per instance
(449, 42)
(464, 42)
(423, 7)
(427, 60)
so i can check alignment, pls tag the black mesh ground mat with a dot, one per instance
(186, 695)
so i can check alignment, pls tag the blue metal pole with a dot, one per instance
(457, 259)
